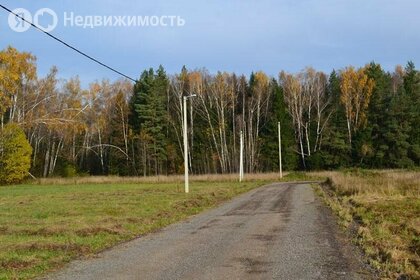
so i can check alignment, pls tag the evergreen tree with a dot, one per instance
(412, 92)
(269, 135)
(370, 138)
(335, 151)
(150, 108)
(394, 143)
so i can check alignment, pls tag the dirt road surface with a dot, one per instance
(279, 231)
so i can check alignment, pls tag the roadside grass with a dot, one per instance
(158, 179)
(296, 176)
(382, 209)
(44, 226)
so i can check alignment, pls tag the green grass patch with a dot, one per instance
(43, 227)
(301, 176)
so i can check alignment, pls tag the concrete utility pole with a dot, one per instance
(280, 163)
(186, 165)
(241, 158)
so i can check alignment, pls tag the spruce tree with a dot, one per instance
(335, 151)
(269, 134)
(149, 105)
(412, 92)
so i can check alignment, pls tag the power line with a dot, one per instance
(69, 46)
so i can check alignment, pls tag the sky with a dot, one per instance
(238, 36)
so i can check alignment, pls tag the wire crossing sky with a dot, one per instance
(66, 44)
(236, 36)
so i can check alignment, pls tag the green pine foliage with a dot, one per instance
(269, 134)
(412, 97)
(150, 107)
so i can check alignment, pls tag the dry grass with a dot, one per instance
(156, 179)
(375, 183)
(385, 207)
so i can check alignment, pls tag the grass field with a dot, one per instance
(44, 226)
(382, 208)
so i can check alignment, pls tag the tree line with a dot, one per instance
(353, 117)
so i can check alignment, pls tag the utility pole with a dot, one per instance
(241, 158)
(280, 163)
(186, 165)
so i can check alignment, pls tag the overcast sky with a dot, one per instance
(231, 35)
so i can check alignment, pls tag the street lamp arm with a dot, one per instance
(189, 96)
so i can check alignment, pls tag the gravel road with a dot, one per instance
(279, 231)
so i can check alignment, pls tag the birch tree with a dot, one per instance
(356, 90)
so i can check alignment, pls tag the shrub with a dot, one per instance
(15, 154)
(69, 171)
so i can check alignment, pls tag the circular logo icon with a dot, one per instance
(49, 16)
(20, 19)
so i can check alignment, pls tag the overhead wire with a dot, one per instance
(68, 45)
